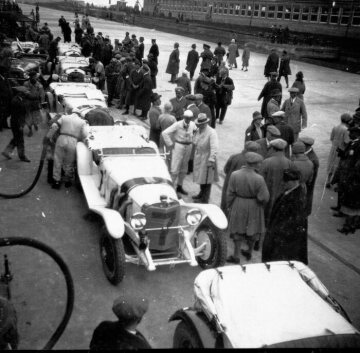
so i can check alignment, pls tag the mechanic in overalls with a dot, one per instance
(179, 136)
(72, 129)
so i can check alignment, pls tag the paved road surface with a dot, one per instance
(59, 217)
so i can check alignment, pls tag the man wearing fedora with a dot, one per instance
(179, 136)
(192, 61)
(206, 150)
(274, 103)
(122, 334)
(268, 88)
(174, 63)
(206, 56)
(271, 133)
(256, 129)
(295, 112)
(178, 103)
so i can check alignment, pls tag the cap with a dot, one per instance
(190, 97)
(307, 140)
(273, 130)
(176, 44)
(345, 117)
(233, 40)
(188, 113)
(278, 144)
(202, 119)
(252, 146)
(130, 308)
(257, 115)
(199, 96)
(253, 157)
(145, 60)
(298, 147)
(279, 113)
(293, 90)
(206, 45)
(155, 97)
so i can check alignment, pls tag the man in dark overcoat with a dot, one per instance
(174, 63)
(5, 88)
(192, 61)
(153, 69)
(143, 97)
(284, 69)
(135, 80)
(154, 50)
(268, 88)
(112, 72)
(207, 57)
(286, 234)
(272, 63)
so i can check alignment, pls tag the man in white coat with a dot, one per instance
(179, 136)
(206, 149)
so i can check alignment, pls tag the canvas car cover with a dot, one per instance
(257, 307)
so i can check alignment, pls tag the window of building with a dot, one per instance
(249, 10)
(271, 11)
(237, 10)
(356, 17)
(335, 15)
(243, 9)
(263, 11)
(280, 12)
(314, 14)
(220, 10)
(225, 8)
(324, 15)
(287, 12)
(215, 8)
(305, 14)
(296, 13)
(256, 10)
(345, 16)
(231, 9)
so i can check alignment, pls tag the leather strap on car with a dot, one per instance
(127, 186)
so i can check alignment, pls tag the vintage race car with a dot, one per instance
(24, 47)
(73, 69)
(126, 181)
(69, 49)
(64, 96)
(265, 305)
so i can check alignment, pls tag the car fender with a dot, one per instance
(113, 221)
(199, 323)
(213, 212)
(50, 99)
(83, 159)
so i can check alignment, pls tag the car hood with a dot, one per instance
(25, 65)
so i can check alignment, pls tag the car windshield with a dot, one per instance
(128, 150)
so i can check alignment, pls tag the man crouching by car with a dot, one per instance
(72, 129)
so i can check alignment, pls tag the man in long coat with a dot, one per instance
(192, 61)
(154, 113)
(154, 50)
(272, 63)
(174, 63)
(206, 56)
(134, 82)
(284, 69)
(268, 88)
(112, 73)
(286, 234)
(153, 69)
(233, 50)
(179, 103)
(246, 196)
(219, 53)
(235, 162)
(271, 133)
(274, 103)
(295, 112)
(206, 150)
(179, 136)
(143, 97)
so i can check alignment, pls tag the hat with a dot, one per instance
(190, 97)
(168, 106)
(252, 146)
(253, 157)
(179, 89)
(155, 97)
(154, 40)
(206, 46)
(307, 140)
(199, 96)
(257, 115)
(273, 130)
(193, 46)
(345, 117)
(130, 308)
(279, 114)
(293, 90)
(99, 33)
(188, 113)
(278, 144)
(184, 72)
(118, 56)
(176, 44)
(273, 73)
(275, 92)
(291, 174)
(298, 147)
(202, 119)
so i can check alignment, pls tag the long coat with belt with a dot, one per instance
(295, 114)
(206, 149)
(286, 234)
(174, 62)
(246, 196)
(232, 53)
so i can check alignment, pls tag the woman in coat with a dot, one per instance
(245, 58)
(300, 84)
(174, 63)
(284, 69)
(233, 49)
(286, 234)
(206, 149)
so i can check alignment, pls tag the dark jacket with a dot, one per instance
(143, 97)
(192, 60)
(266, 95)
(311, 186)
(154, 50)
(284, 69)
(174, 62)
(140, 52)
(112, 336)
(272, 64)
(224, 94)
(206, 56)
(251, 133)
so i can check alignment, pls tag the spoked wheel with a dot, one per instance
(186, 337)
(113, 257)
(214, 253)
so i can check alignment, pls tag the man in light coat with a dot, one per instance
(295, 112)
(206, 149)
(179, 136)
(233, 49)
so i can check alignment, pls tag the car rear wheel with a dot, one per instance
(113, 257)
(186, 337)
(214, 253)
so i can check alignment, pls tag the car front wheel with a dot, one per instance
(214, 253)
(113, 257)
(186, 337)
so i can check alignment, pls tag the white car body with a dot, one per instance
(17, 46)
(69, 49)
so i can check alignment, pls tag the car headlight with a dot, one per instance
(87, 79)
(138, 221)
(64, 77)
(193, 217)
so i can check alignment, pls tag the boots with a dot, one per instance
(180, 190)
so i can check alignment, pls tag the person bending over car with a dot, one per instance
(72, 129)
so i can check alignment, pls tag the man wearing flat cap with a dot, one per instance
(256, 130)
(265, 147)
(174, 63)
(184, 82)
(122, 334)
(206, 56)
(203, 108)
(273, 105)
(246, 197)
(179, 103)
(295, 112)
(191, 105)
(179, 136)
(192, 61)
(265, 94)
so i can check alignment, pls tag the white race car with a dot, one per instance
(73, 69)
(24, 47)
(69, 49)
(126, 181)
(265, 305)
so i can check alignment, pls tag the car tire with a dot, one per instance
(216, 255)
(112, 257)
(185, 337)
